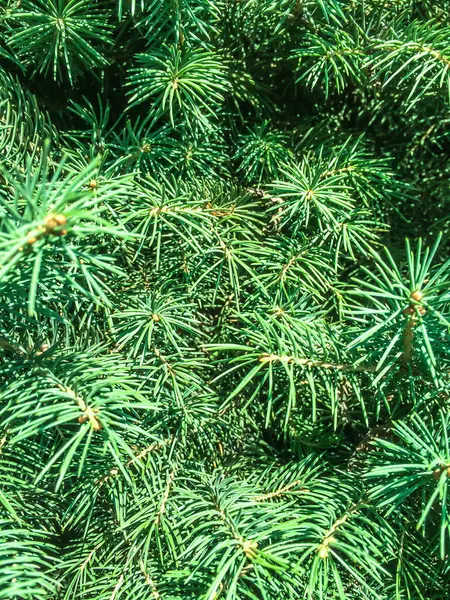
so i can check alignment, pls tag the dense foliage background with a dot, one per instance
(224, 374)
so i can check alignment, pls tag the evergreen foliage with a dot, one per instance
(224, 300)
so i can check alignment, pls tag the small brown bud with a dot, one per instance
(409, 310)
(60, 219)
(96, 425)
(156, 318)
(50, 222)
(263, 358)
(417, 296)
(93, 184)
(438, 472)
(31, 240)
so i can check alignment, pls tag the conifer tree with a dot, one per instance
(224, 300)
